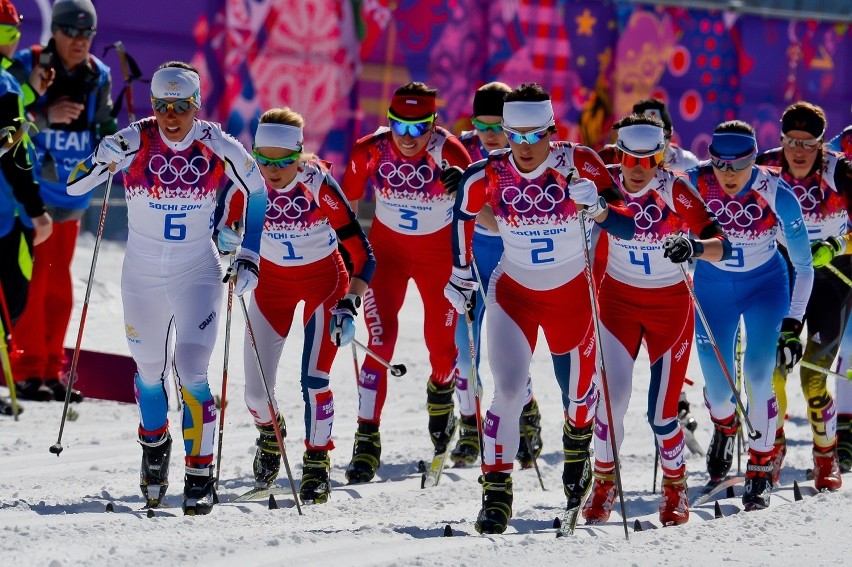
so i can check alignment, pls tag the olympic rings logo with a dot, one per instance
(406, 175)
(189, 172)
(735, 212)
(646, 216)
(289, 207)
(544, 200)
(809, 197)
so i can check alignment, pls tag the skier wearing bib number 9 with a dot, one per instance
(405, 166)
(535, 189)
(171, 282)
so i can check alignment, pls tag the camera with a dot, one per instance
(45, 59)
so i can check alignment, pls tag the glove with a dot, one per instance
(824, 251)
(450, 178)
(789, 346)
(111, 149)
(460, 291)
(584, 192)
(342, 325)
(244, 274)
(228, 240)
(679, 249)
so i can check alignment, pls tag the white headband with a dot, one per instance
(526, 114)
(174, 82)
(274, 135)
(641, 140)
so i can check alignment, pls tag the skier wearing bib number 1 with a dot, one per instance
(171, 282)
(535, 189)
(410, 235)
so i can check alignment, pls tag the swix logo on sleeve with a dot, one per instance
(682, 350)
(590, 169)
(330, 202)
(684, 200)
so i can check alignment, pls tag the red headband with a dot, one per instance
(413, 106)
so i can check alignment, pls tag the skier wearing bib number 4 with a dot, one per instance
(535, 190)
(171, 283)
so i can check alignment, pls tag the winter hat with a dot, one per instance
(488, 103)
(75, 13)
(655, 107)
(799, 117)
(9, 14)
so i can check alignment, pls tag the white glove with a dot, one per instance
(342, 324)
(228, 240)
(460, 291)
(244, 274)
(111, 149)
(584, 192)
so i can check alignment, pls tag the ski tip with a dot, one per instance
(560, 534)
(717, 511)
(729, 492)
(557, 523)
(150, 513)
(448, 531)
(273, 505)
(797, 492)
(109, 507)
(637, 526)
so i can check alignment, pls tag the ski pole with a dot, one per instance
(355, 361)
(274, 417)
(222, 401)
(593, 297)
(826, 371)
(839, 274)
(752, 432)
(56, 448)
(7, 367)
(739, 369)
(395, 369)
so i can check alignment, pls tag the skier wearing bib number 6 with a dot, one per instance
(535, 189)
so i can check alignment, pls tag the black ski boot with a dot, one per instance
(442, 422)
(684, 416)
(577, 470)
(720, 454)
(758, 481)
(496, 509)
(467, 448)
(315, 486)
(530, 443)
(154, 472)
(33, 389)
(844, 442)
(365, 454)
(7, 409)
(199, 494)
(60, 389)
(267, 457)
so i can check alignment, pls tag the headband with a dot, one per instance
(732, 145)
(175, 82)
(803, 119)
(641, 140)
(274, 135)
(526, 113)
(488, 103)
(413, 106)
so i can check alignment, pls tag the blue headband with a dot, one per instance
(732, 145)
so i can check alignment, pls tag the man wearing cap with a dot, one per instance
(822, 182)
(644, 300)
(755, 208)
(535, 189)
(71, 116)
(23, 218)
(171, 287)
(487, 135)
(410, 236)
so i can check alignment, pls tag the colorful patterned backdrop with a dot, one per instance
(338, 61)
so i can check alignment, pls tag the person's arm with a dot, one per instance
(590, 166)
(789, 214)
(357, 172)
(119, 149)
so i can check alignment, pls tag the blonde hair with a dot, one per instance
(288, 116)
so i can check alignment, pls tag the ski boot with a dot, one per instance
(467, 447)
(844, 442)
(199, 494)
(758, 480)
(33, 389)
(779, 451)
(7, 409)
(442, 422)
(720, 454)
(60, 390)
(601, 500)
(496, 509)
(826, 469)
(530, 445)
(577, 469)
(674, 504)
(154, 472)
(267, 457)
(365, 454)
(315, 486)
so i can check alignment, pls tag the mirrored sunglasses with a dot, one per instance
(486, 127)
(646, 162)
(73, 32)
(9, 34)
(738, 164)
(793, 143)
(281, 162)
(531, 137)
(413, 128)
(179, 106)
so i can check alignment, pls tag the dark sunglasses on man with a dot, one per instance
(74, 33)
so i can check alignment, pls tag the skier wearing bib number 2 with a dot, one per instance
(171, 281)
(410, 236)
(535, 189)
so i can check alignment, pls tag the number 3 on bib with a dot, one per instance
(409, 219)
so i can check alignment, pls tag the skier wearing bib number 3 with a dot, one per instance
(171, 280)
(534, 190)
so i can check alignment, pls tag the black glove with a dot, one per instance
(789, 346)
(679, 249)
(450, 178)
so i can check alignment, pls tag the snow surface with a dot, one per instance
(52, 508)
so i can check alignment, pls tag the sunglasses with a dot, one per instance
(738, 164)
(179, 106)
(486, 127)
(646, 162)
(531, 137)
(9, 34)
(793, 143)
(413, 128)
(73, 32)
(277, 162)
